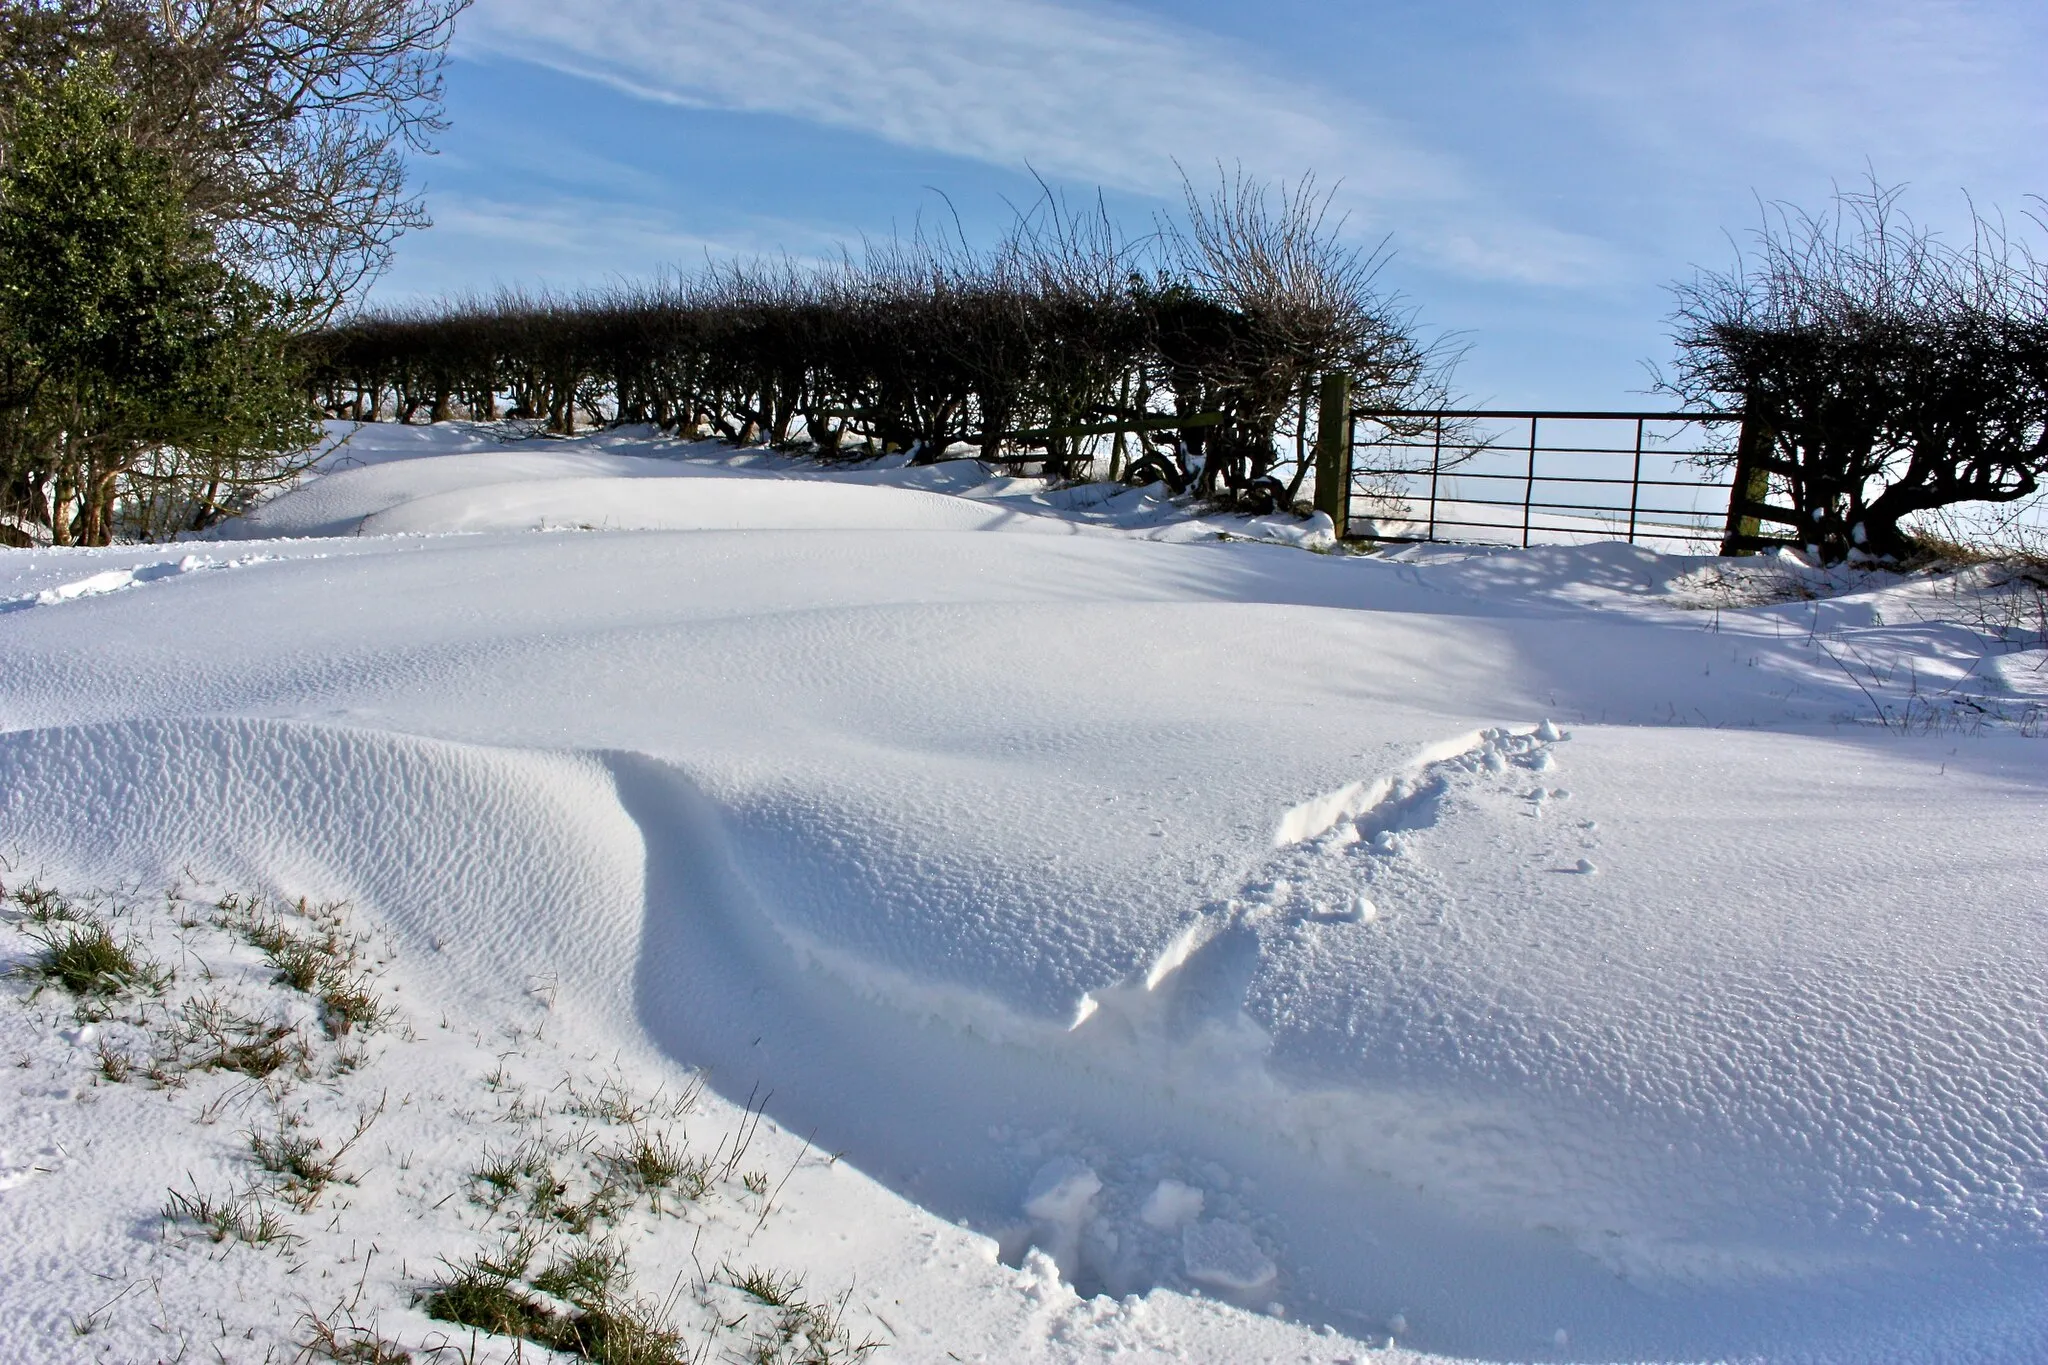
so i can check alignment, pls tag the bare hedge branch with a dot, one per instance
(1195, 352)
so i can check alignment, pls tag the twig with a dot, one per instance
(1882, 719)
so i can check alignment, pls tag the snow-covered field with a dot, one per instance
(1139, 939)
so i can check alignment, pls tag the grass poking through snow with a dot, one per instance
(80, 955)
(278, 1006)
(581, 1306)
(242, 1217)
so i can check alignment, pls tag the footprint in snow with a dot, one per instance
(1340, 863)
(116, 580)
(1314, 841)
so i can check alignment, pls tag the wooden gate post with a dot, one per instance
(1751, 486)
(1333, 450)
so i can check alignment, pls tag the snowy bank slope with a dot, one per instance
(1486, 948)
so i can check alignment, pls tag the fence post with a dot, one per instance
(1333, 450)
(1752, 484)
(1436, 465)
(1635, 484)
(1529, 484)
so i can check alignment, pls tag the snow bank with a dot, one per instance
(693, 504)
(1208, 917)
(519, 489)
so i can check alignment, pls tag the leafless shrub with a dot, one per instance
(1892, 372)
(1263, 297)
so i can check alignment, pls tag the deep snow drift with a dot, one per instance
(1530, 954)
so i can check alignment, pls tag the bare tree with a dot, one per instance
(289, 120)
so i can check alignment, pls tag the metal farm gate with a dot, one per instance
(1666, 479)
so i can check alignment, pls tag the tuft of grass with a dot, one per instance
(527, 1164)
(777, 1291)
(114, 1065)
(797, 1332)
(640, 1165)
(483, 1297)
(623, 1333)
(600, 1207)
(227, 1041)
(241, 1217)
(43, 905)
(82, 956)
(592, 1275)
(347, 1343)
(499, 1174)
(807, 1334)
(299, 964)
(599, 1323)
(301, 1162)
(349, 1002)
(648, 1163)
(614, 1102)
(322, 962)
(512, 1259)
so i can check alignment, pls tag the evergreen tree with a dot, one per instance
(130, 354)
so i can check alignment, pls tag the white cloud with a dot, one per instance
(564, 243)
(1088, 95)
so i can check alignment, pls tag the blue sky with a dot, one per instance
(1543, 170)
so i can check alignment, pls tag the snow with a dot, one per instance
(1059, 1202)
(1224, 1256)
(1171, 1204)
(519, 492)
(1185, 944)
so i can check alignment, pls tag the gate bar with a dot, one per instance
(1550, 412)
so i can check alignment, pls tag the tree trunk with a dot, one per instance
(60, 509)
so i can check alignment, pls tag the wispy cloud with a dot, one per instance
(1083, 94)
(568, 241)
